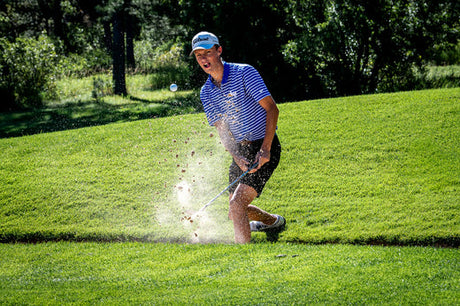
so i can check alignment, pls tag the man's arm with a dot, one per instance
(263, 156)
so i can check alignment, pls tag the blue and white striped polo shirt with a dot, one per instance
(237, 101)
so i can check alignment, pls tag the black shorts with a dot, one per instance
(258, 179)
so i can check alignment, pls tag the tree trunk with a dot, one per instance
(118, 55)
(130, 61)
(51, 10)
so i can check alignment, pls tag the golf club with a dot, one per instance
(228, 187)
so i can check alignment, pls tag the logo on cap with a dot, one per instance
(204, 40)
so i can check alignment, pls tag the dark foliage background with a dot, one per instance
(303, 49)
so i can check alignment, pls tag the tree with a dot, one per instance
(118, 53)
(251, 31)
(302, 48)
(130, 60)
(124, 29)
(27, 67)
(52, 10)
(348, 47)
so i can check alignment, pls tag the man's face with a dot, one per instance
(209, 59)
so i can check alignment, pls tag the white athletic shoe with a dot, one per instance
(278, 226)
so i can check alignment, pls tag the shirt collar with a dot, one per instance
(224, 77)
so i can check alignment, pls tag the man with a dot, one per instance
(237, 102)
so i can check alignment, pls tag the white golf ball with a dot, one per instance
(173, 87)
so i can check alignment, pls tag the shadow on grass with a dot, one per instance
(74, 115)
(44, 236)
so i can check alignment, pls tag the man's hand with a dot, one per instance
(262, 158)
(242, 162)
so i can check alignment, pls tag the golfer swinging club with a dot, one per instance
(237, 102)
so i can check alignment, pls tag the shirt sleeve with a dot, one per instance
(255, 85)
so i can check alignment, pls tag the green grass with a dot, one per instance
(256, 274)
(77, 108)
(373, 168)
(378, 169)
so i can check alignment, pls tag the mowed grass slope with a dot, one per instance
(379, 169)
(373, 169)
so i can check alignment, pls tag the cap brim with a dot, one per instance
(202, 47)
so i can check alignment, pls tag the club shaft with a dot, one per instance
(229, 186)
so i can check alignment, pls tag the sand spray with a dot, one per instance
(200, 177)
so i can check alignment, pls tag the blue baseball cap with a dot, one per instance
(204, 40)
